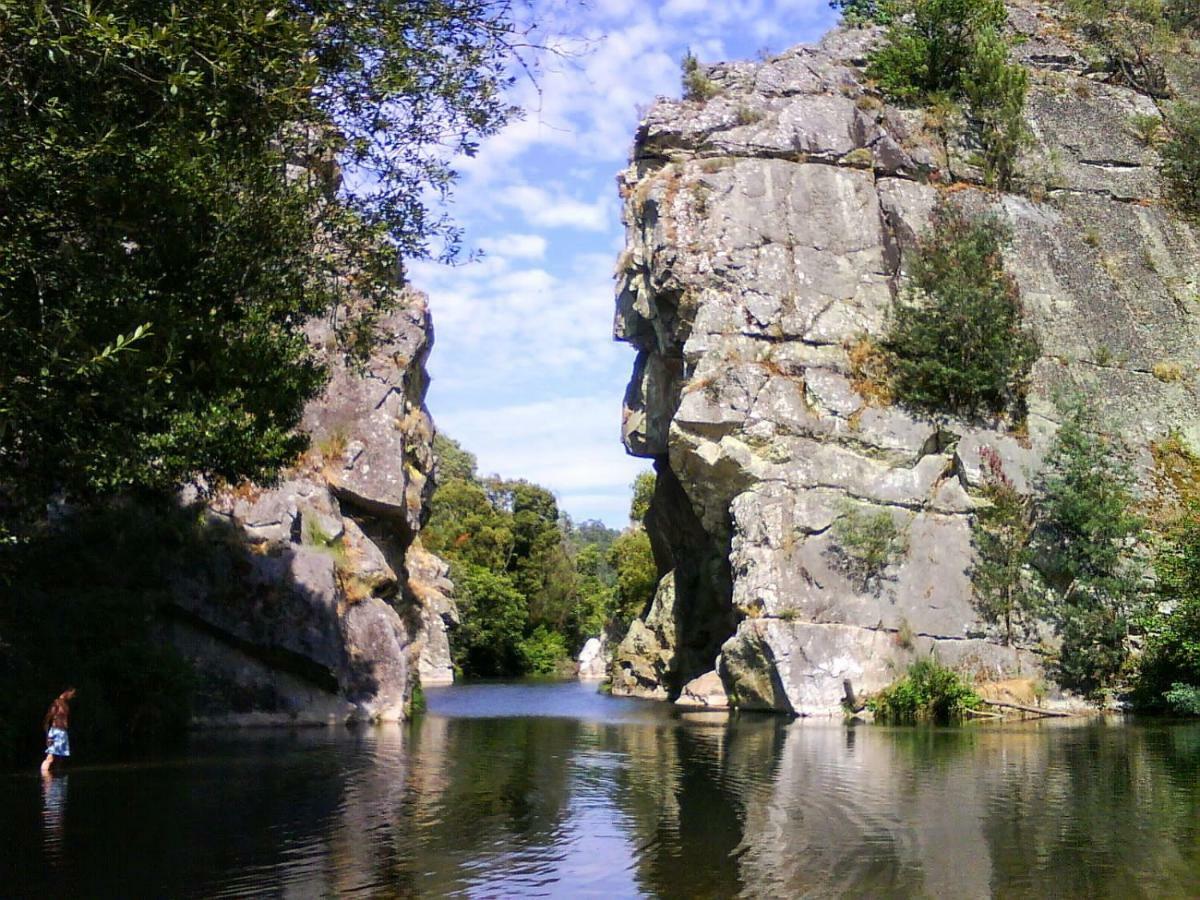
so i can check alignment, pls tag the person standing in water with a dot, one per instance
(56, 723)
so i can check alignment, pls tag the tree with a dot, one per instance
(637, 575)
(1170, 664)
(957, 336)
(1003, 527)
(171, 215)
(1084, 545)
(930, 46)
(493, 614)
(643, 494)
(453, 461)
(1181, 156)
(938, 51)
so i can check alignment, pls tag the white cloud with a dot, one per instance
(547, 209)
(515, 246)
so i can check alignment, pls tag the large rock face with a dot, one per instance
(768, 231)
(325, 606)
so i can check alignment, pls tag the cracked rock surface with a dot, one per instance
(768, 231)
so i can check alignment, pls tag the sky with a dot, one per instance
(525, 373)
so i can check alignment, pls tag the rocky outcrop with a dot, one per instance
(768, 230)
(323, 605)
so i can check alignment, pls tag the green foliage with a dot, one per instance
(928, 692)
(938, 50)
(417, 703)
(643, 493)
(453, 462)
(957, 336)
(544, 651)
(1002, 591)
(864, 12)
(1084, 545)
(866, 543)
(995, 92)
(553, 583)
(637, 576)
(1181, 156)
(1171, 656)
(1132, 37)
(930, 46)
(1183, 699)
(493, 614)
(696, 83)
(157, 263)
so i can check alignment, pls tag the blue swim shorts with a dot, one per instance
(57, 742)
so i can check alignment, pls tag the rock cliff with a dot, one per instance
(325, 607)
(767, 234)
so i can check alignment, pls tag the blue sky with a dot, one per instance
(525, 372)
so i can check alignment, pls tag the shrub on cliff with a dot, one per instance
(939, 50)
(157, 264)
(1001, 584)
(696, 84)
(928, 692)
(1181, 156)
(866, 543)
(1085, 547)
(957, 336)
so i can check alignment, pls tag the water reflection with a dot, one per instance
(628, 799)
(54, 804)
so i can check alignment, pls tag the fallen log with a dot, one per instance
(1035, 710)
(982, 714)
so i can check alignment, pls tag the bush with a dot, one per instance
(544, 651)
(1183, 699)
(864, 12)
(957, 335)
(1181, 156)
(929, 692)
(867, 542)
(1001, 532)
(939, 50)
(696, 84)
(1084, 546)
(1172, 640)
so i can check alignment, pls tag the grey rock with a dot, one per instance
(319, 603)
(768, 231)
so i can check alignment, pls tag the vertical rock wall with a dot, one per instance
(768, 230)
(325, 606)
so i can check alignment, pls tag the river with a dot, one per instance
(550, 789)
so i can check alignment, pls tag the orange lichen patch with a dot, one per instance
(1023, 691)
(1175, 480)
(870, 371)
(958, 186)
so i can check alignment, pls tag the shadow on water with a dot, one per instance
(622, 799)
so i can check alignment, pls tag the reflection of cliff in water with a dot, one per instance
(635, 800)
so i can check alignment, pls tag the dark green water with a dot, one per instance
(552, 790)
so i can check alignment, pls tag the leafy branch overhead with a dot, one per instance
(181, 165)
